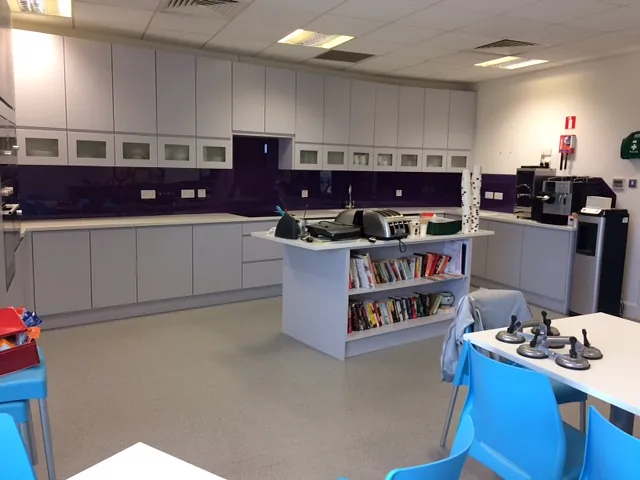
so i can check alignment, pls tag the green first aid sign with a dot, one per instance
(630, 148)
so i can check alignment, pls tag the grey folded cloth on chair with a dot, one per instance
(484, 309)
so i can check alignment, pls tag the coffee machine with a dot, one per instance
(563, 196)
(529, 180)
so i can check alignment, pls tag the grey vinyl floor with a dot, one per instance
(223, 389)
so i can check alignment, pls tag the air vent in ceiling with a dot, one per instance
(508, 47)
(227, 9)
(346, 57)
(506, 43)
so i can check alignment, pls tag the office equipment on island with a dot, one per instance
(529, 180)
(378, 224)
(334, 231)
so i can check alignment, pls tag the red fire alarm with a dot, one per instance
(567, 144)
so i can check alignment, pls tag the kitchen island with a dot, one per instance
(316, 291)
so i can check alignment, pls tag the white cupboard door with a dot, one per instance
(363, 107)
(434, 161)
(42, 147)
(336, 157)
(462, 121)
(134, 89)
(458, 160)
(89, 86)
(308, 157)
(436, 118)
(386, 120)
(411, 117)
(410, 159)
(176, 80)
(337, 110)
(7, 89)
(136, 151)
(39, 80)
(280, 101)
(361, 158)
(91, 149)
(309, 107)
(213, 97)
(248, 97)
(215, 154)
(176, 152)
(385, 159)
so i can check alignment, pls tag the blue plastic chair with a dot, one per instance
(26, 385)
(610, 453)
(14, 462)
(21, 414)
(517, 428)
(448, 469)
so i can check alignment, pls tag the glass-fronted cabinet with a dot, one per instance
(458, 160)
(177, 152)
(91, 149)
(136, 151)
(385, 159)
(434, 160)
(213, 153)
(409, 160)
(336, 157)
(42, 147)
(308, 156)
(361, 158)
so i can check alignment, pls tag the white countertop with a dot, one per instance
(210, 218)
(609, 379)
(361, 243)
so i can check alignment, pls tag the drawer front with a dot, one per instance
(262, 274)
(257, 249)
(249, 228)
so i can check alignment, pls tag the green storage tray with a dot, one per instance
(444, 227)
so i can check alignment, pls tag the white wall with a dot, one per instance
(520, 117)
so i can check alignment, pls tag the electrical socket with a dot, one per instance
(148, 194)
(305, 193)
(633, 183)
(188, 193)
(498, 196)
(398, 193)
(202, 193)
(488, 195)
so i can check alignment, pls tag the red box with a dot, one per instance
(17, 358)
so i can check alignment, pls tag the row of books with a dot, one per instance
(364, 273)
(367, 314)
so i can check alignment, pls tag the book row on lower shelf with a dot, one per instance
(367, 314)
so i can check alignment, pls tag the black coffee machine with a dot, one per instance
(529, 181)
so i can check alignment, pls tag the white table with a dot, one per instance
(611, 379)
(142, 461)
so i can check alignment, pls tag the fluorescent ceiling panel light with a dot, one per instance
(497, 61)
(59, 8)
(526, 62)
(306, 38)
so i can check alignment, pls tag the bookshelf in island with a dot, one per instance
(352, 297)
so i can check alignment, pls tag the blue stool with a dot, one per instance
(26, 385)
(14, 462)
(21, 414)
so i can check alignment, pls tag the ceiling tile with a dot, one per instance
(560, 54)
(383, 64)
(395, 32)
(381, 10)
(331, 64)
(612, 20)
(237, 46)
(491, 6)
(558, 34)
(560, 11)
(315, 5)
(369, 45)
(89, 15)
(176, 38)
(337, 24)
(465, 59)
(139, 4)
(607, 43)
(622, 2)
(422, 70)
(186, 23)
(501, 27)
(470, 74)
(444, 18)
(454, 41)
(290, 53)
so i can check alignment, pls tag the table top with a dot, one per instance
(143, 461)
(611, 379)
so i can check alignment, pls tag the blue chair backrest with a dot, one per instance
(14, 461)
(448, 469)
(514, 413)
(610, 452)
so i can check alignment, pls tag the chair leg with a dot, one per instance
(46, 438)
(583, 417)
(447, 421)
(32, 438)
(24, 433)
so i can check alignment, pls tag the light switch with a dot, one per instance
(498, 196)
(148, 194)
(488, 195)
(202, 193)
(398, 193)
(188, 193)
(305, 193)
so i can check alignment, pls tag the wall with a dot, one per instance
(520, 117)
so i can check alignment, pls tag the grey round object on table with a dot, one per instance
(554, 331)
(566, 361)
(507, 337)
(591, 353)
(531, 352)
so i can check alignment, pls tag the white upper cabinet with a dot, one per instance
(248, 97)
(462, 121)
(363, 107)
(280, 106)
(411, 117)
(39, 80)
(337, 109)
(436, 118)
(386, 121)
(134, 89)
(176, 80)
(309, 107)
(88, 84)
(213, 97)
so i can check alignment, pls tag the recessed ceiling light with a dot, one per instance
(306, 38)
(525, 62)
(497, 61)
(59, 8)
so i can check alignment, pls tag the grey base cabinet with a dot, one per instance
(479, 252)
(62, 271)
(113, 267)
(217, 258)
(504, 254)
(165, 262)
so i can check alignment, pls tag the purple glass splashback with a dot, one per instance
(499, 183)
(253, 188)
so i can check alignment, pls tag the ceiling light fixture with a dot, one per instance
(59, 8)
(306, 38)
(525, 62)
(497, 61)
